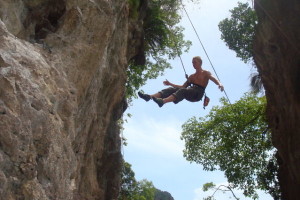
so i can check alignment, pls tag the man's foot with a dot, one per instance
(159, 101)
(146, 97)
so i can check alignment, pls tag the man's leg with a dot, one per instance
(175, 97)
(147, 97)
(156, 95)
(170, 98)
(165, 96)
(161, 101)
(162, 94)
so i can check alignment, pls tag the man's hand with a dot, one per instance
(166, 82)
(221, 87)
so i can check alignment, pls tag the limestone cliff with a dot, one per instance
(277, 55)
(62, 77)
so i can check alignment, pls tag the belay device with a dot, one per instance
(206, 101)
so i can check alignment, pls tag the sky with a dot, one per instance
(154, 146)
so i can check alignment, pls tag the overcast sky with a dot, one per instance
(153, 134)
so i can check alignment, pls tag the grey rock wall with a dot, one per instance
(62, 78)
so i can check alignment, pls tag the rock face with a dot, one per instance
(277, 55)
(62, 79)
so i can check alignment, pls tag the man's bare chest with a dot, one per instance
(198, 77)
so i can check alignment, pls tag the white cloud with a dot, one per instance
(156, 137)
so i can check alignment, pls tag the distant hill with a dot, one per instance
(162, 195)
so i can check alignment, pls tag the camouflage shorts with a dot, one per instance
(192, 94)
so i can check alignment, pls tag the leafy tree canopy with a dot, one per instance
(234, 138)
(238, 31)
(146, 190)
(129, 184)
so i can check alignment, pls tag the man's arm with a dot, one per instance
(218, 83)
(166, 82)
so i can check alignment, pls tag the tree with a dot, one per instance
(146, 190)
(238, 34)
(234, 138)
(238, 31)
(129, 184)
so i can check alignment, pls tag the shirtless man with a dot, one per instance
(192, 90)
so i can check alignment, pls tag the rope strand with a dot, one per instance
(186, 76)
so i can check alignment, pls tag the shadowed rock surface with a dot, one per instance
(277, 55)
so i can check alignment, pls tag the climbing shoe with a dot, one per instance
(146, 97)
(159, 101)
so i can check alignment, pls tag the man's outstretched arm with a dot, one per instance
(166, 82)
(218, 83)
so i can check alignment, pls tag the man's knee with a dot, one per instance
(167, 92)
(179, 95)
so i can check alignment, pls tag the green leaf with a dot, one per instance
(208, 186)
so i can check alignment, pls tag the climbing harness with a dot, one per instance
(206, 101)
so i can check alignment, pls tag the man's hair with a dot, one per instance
(199, 59)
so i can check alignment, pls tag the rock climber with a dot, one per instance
(192, 90)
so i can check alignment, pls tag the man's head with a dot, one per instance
(197, 61)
